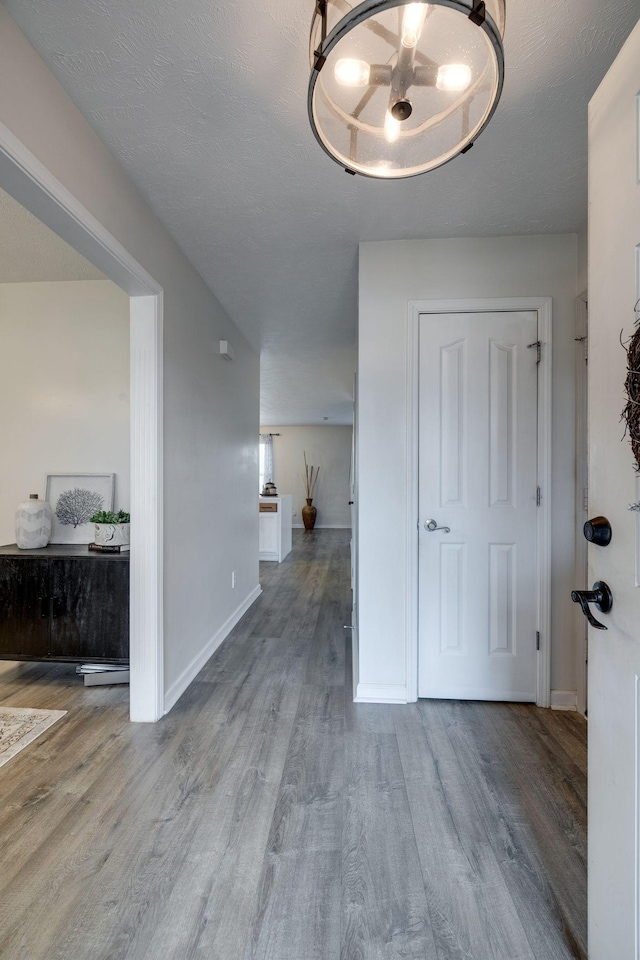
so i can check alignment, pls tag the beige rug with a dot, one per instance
(20, 726)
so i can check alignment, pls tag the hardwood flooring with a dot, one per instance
(270, 818)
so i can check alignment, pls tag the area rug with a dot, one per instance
(19, 726)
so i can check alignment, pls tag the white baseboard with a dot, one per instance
(179, 686)
(564, 700)
(324, 526)
(381, 693)
(397, 693)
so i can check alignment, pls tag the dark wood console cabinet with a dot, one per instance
(64, 603)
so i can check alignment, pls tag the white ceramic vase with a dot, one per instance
(113, 535)
(33, 523)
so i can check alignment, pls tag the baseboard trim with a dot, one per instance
(564, 700)
(381, 693)
(324, 526)
(179, 686)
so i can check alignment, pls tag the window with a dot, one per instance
(265, 459)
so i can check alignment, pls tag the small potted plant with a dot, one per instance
(112, 529)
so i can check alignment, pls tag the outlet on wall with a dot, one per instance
(233, 579)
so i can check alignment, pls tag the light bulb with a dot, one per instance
(453, 76)
(391, 128)
(351, 73)
(412, 23)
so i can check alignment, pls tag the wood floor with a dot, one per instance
(270, 818)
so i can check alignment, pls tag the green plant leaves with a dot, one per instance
(107, 516)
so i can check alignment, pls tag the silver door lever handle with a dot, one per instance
(432, 525)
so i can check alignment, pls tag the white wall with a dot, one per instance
(328, 448)
(64, 387)
(392, 274)
(210, 405)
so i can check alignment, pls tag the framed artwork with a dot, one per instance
(74, 498)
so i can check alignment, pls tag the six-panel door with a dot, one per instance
(478, 477)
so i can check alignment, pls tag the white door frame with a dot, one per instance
(355, 649)
(27, 179)
(582, 485)
(542, 306)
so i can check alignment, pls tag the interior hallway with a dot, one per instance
(270, 817)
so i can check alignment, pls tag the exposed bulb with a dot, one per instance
(412, 23)
(391, 128)
(453, 76)
(351, 73)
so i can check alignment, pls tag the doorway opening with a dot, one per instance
(29, 182)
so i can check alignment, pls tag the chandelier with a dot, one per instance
(396, 88)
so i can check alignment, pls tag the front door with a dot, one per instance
(614, 654)
(478, 494)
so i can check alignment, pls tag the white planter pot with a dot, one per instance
(113, 535)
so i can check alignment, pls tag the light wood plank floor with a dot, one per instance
(270, 818)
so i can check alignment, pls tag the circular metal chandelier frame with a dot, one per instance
(319, 51)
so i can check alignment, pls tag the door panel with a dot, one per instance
(502, 593)
(452, 594)
(453, 402)
(502, 442)
(614, 655)
(478, 476)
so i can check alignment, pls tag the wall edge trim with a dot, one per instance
(563, 700)
(381, 693)
(63, 213)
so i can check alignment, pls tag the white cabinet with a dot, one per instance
(275, 527)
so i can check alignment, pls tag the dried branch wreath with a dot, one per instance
(631, 412)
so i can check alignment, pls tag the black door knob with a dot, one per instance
(598, 530)
(600, 595)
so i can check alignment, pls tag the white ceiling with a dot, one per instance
(204, 104)
(29, 251)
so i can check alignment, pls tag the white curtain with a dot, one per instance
(266, 459)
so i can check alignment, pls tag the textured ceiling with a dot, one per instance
(204, 104)
(29, 251)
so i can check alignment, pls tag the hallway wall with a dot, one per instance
(211, 407)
